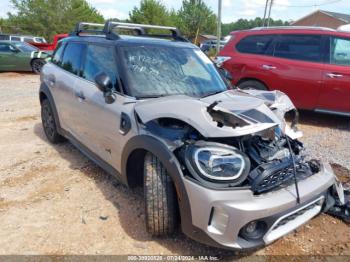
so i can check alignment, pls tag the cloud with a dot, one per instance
(5, 7)
(112, 13)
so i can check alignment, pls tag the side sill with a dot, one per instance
(92, 156)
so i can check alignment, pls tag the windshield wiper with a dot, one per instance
(212, 93)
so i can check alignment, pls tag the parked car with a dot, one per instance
(206, 45)
(310, 64)
(49, 47)
(23, 38)
(156, 113)
(20, 56)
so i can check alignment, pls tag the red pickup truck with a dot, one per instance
(50, 46)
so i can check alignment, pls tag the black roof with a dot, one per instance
(130, 40)
(92, 32)
(341, 16)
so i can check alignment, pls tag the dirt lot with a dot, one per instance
(53, 200)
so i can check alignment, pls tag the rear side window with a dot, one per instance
(28, 40)
(4, 37)
(57, 56)
(299, 47)
(72, 57)
(15, 38)
(255, 44)
(340, 51)
(100, 59)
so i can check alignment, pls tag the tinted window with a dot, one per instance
(299, 47)
(340, 51)
(15, 38)
(57, 56)
(5, 48)
(255, 44)
(4, 37)
(27, 39)
(100, 59)
(72, 57)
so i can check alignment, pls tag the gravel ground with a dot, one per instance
(55, 201)
(326, 137)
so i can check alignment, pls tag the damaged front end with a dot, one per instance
(240, 141)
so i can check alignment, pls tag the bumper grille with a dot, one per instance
(273, 175)
(293, 220)
(294, 216)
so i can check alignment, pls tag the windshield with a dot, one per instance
(24, 47)
(162, 71)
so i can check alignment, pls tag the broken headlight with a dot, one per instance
(217, 163)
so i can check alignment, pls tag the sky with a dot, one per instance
(232, 9)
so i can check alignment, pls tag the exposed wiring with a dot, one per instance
(294, 170)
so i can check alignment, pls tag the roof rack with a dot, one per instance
(107, 29)
(294, 27)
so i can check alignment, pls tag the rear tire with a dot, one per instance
(49, 123)
(252, 84)
(160, 198)
(37, 65)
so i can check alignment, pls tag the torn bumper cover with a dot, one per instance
(238, 219)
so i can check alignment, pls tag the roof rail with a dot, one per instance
(140, 29)
(107, 30)
(85, 27)
(294, 27)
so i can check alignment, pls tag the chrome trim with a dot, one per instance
(326, 111)
(271, 235)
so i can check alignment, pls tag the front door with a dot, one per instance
(296, 68)
(8, 57)
(335, 95)
(99, 122)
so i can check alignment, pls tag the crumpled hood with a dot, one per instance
(227, 114)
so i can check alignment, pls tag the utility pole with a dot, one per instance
(266, 4)
(218, 27)
(268, 19)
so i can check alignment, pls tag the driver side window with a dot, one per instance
(340, 51)
(5, 48)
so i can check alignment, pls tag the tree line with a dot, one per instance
(49, 17)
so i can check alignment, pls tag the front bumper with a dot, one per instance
(221, 214)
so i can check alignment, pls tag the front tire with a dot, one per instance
(37, 65)
(252, 84)
(49, 123)
(160, 198)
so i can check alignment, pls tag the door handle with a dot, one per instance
(268, 67)
(334, 75)
(80, 95)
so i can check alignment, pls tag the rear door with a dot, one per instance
(335, 94)
(62, 82)
(296, 68)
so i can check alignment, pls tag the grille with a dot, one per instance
(295, 215)
(266, 178)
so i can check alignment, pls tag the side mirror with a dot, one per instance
(226, 74)
(104, 84)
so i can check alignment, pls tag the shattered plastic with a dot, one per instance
(261, 110)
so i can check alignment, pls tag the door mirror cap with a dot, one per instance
(103, 82)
